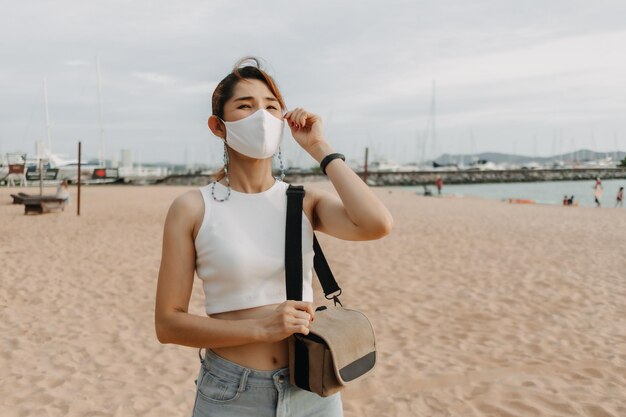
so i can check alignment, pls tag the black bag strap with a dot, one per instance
(293, 243)
(329, 285)
(293, 252)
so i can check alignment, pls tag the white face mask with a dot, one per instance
(257, 136)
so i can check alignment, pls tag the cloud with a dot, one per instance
(78, 63)
(507, 70)
(175, 84)
(155, 78)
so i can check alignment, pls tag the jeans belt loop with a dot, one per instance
(243, 381)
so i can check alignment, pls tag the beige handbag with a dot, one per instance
(341, 346)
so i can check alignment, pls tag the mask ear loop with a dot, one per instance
(225, 171)
(282, 168)
(280, 156)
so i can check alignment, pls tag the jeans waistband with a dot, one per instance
(233, 372)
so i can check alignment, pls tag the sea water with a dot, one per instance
(549, 192)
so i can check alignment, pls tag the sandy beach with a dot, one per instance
(481, 308)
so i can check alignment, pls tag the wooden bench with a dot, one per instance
(43, 204)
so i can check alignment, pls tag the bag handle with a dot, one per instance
(293, 252)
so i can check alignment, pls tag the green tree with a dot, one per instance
(623, 163)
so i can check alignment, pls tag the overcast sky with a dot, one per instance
(527, 77)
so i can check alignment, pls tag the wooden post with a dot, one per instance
(365, 166)
(78, 198)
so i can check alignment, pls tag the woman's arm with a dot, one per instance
(357, 214)
(173, 322)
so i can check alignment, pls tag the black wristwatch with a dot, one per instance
(329, 158)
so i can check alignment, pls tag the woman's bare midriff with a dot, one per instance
(262, 356)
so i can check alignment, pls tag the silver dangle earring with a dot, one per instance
(227, 178)
(282, 168)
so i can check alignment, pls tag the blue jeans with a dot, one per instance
(225, 388)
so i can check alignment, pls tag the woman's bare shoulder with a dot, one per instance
(311, 197)
(190, 200)
(311, 190)
(187, 209)
(315, 192)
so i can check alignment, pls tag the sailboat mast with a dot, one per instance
(433, 125)
(424, 140)
(418, 148)
(45, 101)
(100, 128)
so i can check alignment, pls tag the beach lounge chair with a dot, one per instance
(19, 197)
(43, 204)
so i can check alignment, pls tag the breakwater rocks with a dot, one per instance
(429, 177)
(477, 177)
(204, 179)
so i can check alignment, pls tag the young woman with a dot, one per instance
(232, 234)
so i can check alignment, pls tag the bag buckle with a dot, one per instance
(335, 297)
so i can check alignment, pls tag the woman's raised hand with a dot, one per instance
(306, 128)
(288, 318)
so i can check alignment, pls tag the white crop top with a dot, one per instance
(240, 249)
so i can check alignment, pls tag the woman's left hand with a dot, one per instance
(306, 128)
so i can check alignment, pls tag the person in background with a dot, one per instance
(620, 197)
(439, 184)
(597, 193)
(565, 200)
(63, 192)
